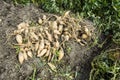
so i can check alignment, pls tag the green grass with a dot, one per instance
(17, 49)
(33, 75)
(106, 66)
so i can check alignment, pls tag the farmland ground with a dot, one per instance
(77, 63)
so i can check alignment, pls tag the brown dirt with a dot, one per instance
(79, 58)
